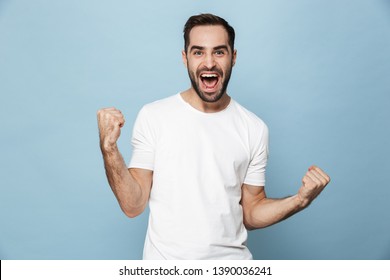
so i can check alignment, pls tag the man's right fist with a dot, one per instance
(110, 122)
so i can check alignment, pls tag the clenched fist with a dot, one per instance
(110, 122)
(314, 181)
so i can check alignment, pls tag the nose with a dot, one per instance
(209, 61)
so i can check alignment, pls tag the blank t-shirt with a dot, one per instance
(199, 162)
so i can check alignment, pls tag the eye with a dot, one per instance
(219, 53)
(198, 53)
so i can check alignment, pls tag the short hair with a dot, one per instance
(207, 19)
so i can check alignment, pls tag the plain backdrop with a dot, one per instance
(317, 72)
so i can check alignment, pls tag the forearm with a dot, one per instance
(268, 211)
(127, 190)
(260, 211)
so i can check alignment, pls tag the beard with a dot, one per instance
(204, 96)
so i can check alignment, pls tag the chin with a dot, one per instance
(215, 97)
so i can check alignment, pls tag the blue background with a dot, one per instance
(317, 72)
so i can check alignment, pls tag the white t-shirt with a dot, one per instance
(199, 162)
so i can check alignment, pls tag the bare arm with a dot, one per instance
(260, 211)
(130, 186)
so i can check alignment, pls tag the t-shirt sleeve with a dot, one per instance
(143, 142)
(255, 175)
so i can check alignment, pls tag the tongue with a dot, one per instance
(210, 82)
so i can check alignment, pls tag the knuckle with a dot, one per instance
(100, 112)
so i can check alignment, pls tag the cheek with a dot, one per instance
(225, 63)
(226, 67)
(190, 65)
(193, 67)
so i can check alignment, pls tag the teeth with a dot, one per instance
(208, 75)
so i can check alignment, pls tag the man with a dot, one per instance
(199, 160)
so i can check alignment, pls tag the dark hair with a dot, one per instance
(207, 19)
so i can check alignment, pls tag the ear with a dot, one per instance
(184, 58)
(234, 57)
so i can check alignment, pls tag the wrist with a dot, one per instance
(108, 148)
(301, 202)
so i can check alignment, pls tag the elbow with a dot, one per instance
(253, 226)
(249, 226)
(252, 222)
(131, 209)
(247, 222)
(132, 212)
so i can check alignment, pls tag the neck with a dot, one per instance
(192, 98)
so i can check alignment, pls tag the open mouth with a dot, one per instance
(209, 80)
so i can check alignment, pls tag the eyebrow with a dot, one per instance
(195, 47)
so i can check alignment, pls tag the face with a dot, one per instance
(209, 61)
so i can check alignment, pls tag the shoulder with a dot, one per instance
(249, 117)
(255, 128)
(163, 104)
(159, 108)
